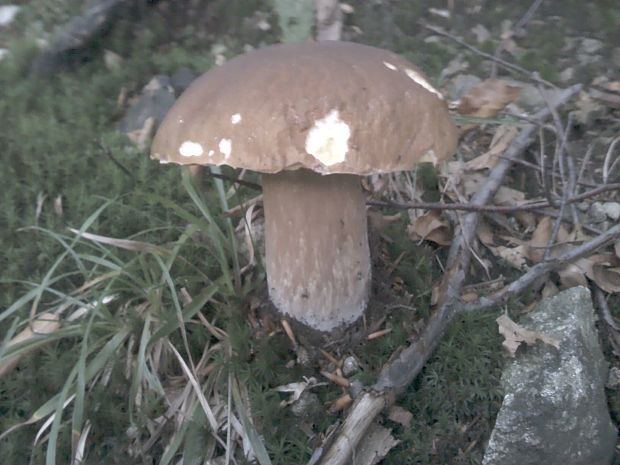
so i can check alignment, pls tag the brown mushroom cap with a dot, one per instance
(331, 107)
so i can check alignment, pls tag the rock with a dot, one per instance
(181, 79)
(8, 14)
(615, 57)
(612, 210)
(530, 97)
(350, 366)
(567, 75)
(307, 405)
(461, 84)
(154, 102)
(613, 380)
(554, 410)
(590, 46)
(597, 212)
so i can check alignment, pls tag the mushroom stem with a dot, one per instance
(316, 246)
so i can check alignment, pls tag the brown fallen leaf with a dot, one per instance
(431, 227)
(488, 98)
(514, 256)
(485, 233)
(535, 249)
(501, 141)
(572, 275)
(515, 335)
(606, 277)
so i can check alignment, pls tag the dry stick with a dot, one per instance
(499, 61)
(404, 367)
(490, 208)
(539, 271)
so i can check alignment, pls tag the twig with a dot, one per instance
(607, 170)
(540, 205)
(405, 366)
(601, 302)
(560, 155)
(499, 61)
(539, 271)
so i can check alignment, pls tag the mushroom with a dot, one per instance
(313, 118)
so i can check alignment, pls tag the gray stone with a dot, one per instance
(461, 84)
(589, 45)
(554, 410)
(8, 14)
(597, 212)
(154, 102)
(181, 79)
(531, 98)
(350, 366)
(612, 210)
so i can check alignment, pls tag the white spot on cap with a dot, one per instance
(236, 118)
(190, 149)
(211, 152)
(225, 147)
(328, 139)
(418, 79)
(390, 66)
(163, 162)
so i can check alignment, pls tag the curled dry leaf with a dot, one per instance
(535, 249)
(296, 389)
(431, 227)
(515, 335)
(572, 275)
(514, 256)
(488, 98)
(606, 277)
(485, 233)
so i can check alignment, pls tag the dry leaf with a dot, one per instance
(501, 141)
(508, 196)
(527, 220)
(431, 227)
(571, 276)
(515, 335)
(296, 389)
(540, 238)
(514, 256)
(484, 233)
(617, 249)
(488, 98)
(606, 277)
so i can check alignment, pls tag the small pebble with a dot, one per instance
(597, 212)
(612, 210)
(350, 366)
